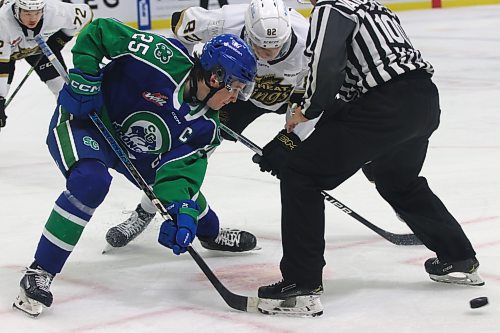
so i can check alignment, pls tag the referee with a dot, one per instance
(386, 110)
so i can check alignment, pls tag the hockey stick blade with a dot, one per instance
(398, 239)
(235, 301)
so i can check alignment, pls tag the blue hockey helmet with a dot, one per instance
(230, 58)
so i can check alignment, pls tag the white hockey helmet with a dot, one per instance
(28, 5)
(267, 23)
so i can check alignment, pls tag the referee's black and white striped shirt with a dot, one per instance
(354, 45)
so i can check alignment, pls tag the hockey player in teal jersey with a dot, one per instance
(277, 35)
(161, 105)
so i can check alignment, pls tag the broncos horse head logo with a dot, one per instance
(145, 132)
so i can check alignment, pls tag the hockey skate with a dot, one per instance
(458, 272)
(125, 232)
(231, 240)
(35, 291)
(287, 298)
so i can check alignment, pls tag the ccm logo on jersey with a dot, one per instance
(85, 87)
(156, 98)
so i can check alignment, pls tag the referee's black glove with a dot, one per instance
(275, 153)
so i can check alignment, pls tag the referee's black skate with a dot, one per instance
(125, 232)
(35, 291)
(290, 299)
(457, 272)
(231, 240)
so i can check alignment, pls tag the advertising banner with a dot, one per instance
(143, 15)
(156, 14)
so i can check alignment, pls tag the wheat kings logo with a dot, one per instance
(144, 132)
(163, 53)
(269, 90)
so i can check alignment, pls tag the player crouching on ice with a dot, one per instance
(161, 104)
(277, 34)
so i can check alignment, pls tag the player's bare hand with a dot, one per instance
(296, 118)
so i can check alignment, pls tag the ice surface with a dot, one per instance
(370, 284)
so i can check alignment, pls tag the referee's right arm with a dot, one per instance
(329, 33)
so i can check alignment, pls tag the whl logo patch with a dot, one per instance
(163, 53)
(88, 141)
(155, 98)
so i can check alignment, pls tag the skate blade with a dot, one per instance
(468, 279)
(255, 249)
(28, 306)
(108, 248)
(301, 306)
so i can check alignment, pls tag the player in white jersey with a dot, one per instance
(281, 65)
(277, 35)
(20, 22)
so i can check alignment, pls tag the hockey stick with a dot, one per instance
(398, 239)
(23, 80)
(238, 302)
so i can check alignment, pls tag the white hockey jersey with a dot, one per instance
(15, 44)
(276, 79)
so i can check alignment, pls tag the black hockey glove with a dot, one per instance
(57, 41)
(275, 153)
(3, 117)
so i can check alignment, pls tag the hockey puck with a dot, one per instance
(478, 302)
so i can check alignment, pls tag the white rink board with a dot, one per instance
(126, 10)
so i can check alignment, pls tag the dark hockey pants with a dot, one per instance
(389, 125)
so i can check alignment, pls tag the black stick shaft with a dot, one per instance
(398, 239)
(14, 93)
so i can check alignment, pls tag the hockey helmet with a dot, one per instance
(231, 59)
(28, 5)
(267, 23)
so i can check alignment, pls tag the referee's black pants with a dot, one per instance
(389, 125)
